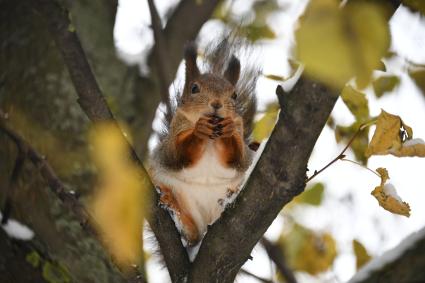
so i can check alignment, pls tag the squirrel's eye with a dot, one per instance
(194, 88)
(234, 95)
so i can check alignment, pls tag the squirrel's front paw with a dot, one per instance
(225, 128)
(205, 128)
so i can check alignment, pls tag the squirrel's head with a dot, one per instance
(209, 94)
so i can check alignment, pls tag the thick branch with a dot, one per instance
(277, 178)
(405, 263)
(94, 105)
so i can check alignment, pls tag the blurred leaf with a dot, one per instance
(312, 195)
(307, 251)
(255, 32)
(120, 200)
(274, 77)
(356, 102)
(385, 84)
(264, 127)
(33, 258)
(221, 12)
(362, 256)
(359, 144)
(381, 67)
(338, 44)
(418, 77)
(263, 9)
(387, 197)
(393, 136)
(415, 5)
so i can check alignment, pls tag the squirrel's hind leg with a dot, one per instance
(188, 228)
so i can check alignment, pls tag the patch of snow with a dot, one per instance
(388, 257)
(413, 142)
(390, 190)
(17, 230)
(192, 252)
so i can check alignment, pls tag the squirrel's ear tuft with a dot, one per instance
(233, 70)
(190, 54)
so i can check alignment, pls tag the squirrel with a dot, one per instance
(201, 159)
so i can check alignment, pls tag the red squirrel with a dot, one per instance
(202, 158)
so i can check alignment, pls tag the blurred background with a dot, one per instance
(326, 234)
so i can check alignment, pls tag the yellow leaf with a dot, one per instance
(308, 251)
(118, 204)
(274, 77)
(418, 77)
(263, 127)
(393, 136)
(387, 196)
(362, 256)
(356, 102)
(338, 44)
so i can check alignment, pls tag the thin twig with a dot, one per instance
(261, 279)
(361, 165)
(341, 155)
(276, 255)
(162, 60)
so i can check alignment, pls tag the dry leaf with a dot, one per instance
(387, 196)
(393, 136)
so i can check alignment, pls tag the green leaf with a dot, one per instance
(264, 127)
(418, 77)
(33, 258)
(356, 102)
(385, 84)
(312, 195)
(362, 256)
(338, 44)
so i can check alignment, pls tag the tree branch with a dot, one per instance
(278, 177)
(263, 280)
(404, 263)
(94, 105)
(162, 60)
(276, 255)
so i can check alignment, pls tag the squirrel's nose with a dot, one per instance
(216, 104)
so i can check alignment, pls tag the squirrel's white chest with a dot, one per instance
(204, 187)
(207, 170)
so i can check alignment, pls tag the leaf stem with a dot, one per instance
(361, 165)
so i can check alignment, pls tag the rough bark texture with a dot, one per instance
(36, 91)
(279, 176)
